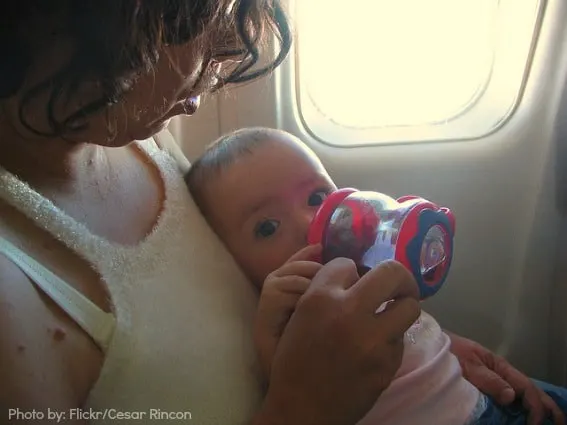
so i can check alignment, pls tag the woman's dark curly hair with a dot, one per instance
(118, 40)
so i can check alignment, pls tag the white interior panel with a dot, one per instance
(504, 289)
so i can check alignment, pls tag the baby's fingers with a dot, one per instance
(305, 269)
(291, 284)
(309, 253)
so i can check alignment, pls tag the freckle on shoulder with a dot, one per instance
(57, 334)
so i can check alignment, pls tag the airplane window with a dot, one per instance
(373, 71)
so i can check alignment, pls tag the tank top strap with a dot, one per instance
(149, 146)
(98, 324)
(105, 257)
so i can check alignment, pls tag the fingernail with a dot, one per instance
(508, 395)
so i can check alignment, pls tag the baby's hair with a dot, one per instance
(221, 154)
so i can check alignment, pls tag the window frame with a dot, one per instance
(509, 63)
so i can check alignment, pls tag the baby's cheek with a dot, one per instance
(254, 266)
(264, 264)
(259, 260)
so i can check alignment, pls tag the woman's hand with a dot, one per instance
(336, 355)
(280, 293)
(494, 376)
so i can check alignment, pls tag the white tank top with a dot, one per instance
(182, 346)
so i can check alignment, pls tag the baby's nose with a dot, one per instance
(304, 219)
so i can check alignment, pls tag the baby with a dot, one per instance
(259, 189)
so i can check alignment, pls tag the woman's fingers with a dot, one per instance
(388, 281)
(340, 273)
(397, 318)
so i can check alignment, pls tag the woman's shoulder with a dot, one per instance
(50, 361)
(166, 142)
(37, 341)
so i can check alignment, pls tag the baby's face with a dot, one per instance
(262, 205)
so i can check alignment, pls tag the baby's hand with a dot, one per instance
(280, 294)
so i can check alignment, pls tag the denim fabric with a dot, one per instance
(515, 413)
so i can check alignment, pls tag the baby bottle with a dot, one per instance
(370, 227)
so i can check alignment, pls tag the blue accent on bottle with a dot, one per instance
(426, 220)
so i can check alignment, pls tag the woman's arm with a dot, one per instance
(46, 360)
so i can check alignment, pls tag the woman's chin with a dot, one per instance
(147, 132)
(160, 126)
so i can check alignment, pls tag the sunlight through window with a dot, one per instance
(372, 64)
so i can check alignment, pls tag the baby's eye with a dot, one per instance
(266, 228)
(317, 198)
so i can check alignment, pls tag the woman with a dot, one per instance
(138, 316)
